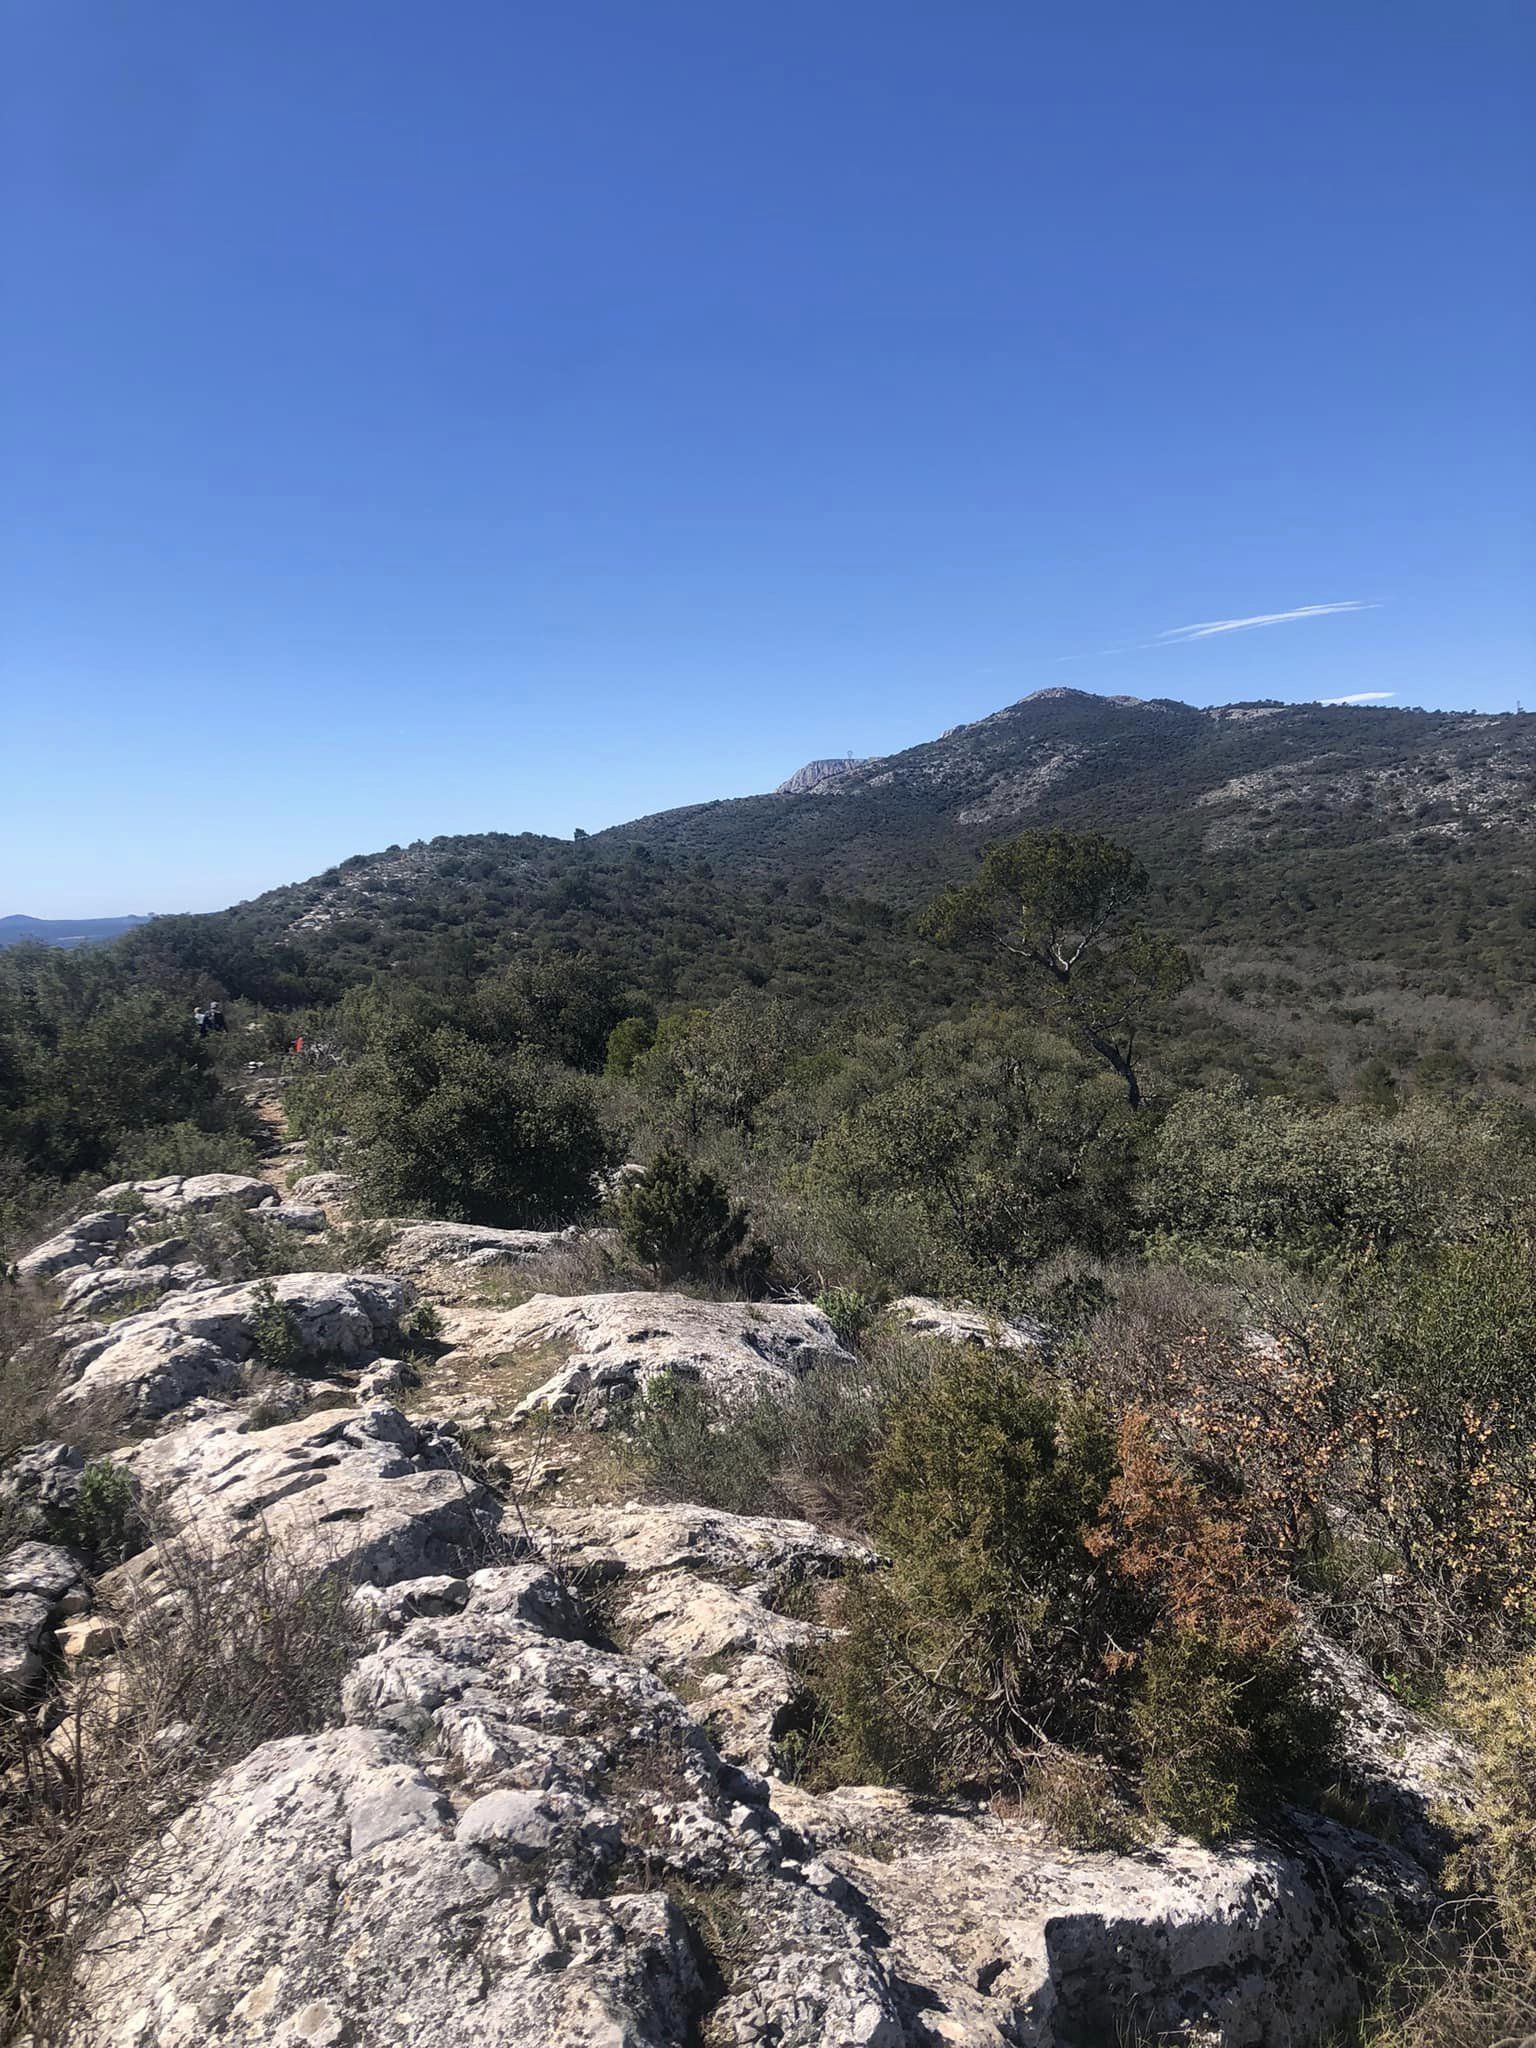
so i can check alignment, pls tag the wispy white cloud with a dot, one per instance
(1362, 697)
(1207, 629)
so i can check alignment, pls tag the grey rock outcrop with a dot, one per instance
(41, 1481)
(330, 1190)
(36, 1580)
(300, 1216)
(526, 1885)
(1021, 1944)
(522, 1838)
(195, 1344)
(695, 1602)
(318, 1895)
(960, 1323)
(426, 1244)
(82, 1243)
(368, 1496)
(190, 1191)
(613, 1344)
(88, 1238)
(818, 775)
(107, 1290)
(1408, 1779)
(641, 1539)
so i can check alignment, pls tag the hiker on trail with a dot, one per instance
(200, 1018)
(216, 1017)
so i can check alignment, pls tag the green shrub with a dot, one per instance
(1233, 1174)
(984, 1635)
(182, 1148)
(629, 1041)
(105, 1517)
(849, 1312)
(275, 1331)
(1059, 1590)
(969, 1154)
(1192, 1745)
(422, 1328)
(682, 1223)
(805, 1450)
(690, 1450)
(448, 1126)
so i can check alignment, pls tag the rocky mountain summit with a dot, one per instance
(817, 775)
(552, 1806)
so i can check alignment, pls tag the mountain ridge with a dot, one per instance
(1404, 837)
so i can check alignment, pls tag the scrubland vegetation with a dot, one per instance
(1284, 1384)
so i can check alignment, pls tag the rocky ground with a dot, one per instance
(548, 1815)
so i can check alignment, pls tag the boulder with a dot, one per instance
(614, 1344)
(35, 1581)
(428, 1244)
(196, 1344)
(46, 1570)
(190, 1191)
(641, 1539)
(81, 1244)
(1406, 1779)
(300, 1216)
(391, 1607)
(696, 1605)
(329, 1190)
(40, 1482)
(386, 1378)
(960, 1323)
(1018, 1944)
(108, 1290)
(25, 1625)
(368, 1496)
(165, 1251)
(88, 1635)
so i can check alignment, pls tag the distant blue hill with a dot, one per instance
(64, 931)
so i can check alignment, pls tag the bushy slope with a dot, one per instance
(1403, 838)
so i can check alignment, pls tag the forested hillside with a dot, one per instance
(1396, 839)
(1357, 886)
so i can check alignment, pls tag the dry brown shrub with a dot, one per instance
(1204, 1570)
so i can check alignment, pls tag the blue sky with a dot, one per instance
(523, 416)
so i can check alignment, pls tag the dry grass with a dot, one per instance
(227, 1653)
(1480, 2001)
(26, 1358)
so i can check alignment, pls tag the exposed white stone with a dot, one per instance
(330, 1190)
(105, 1290)
(77, 1246)
(1408, 1778)
(960, 1323)
(301, 1216)
(35, 1581)
(191, 1191)
(195, 1344)
(1019, 1944)
(614, 1344)
(424, 1244)
(368, 1496)
(696, 1604)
